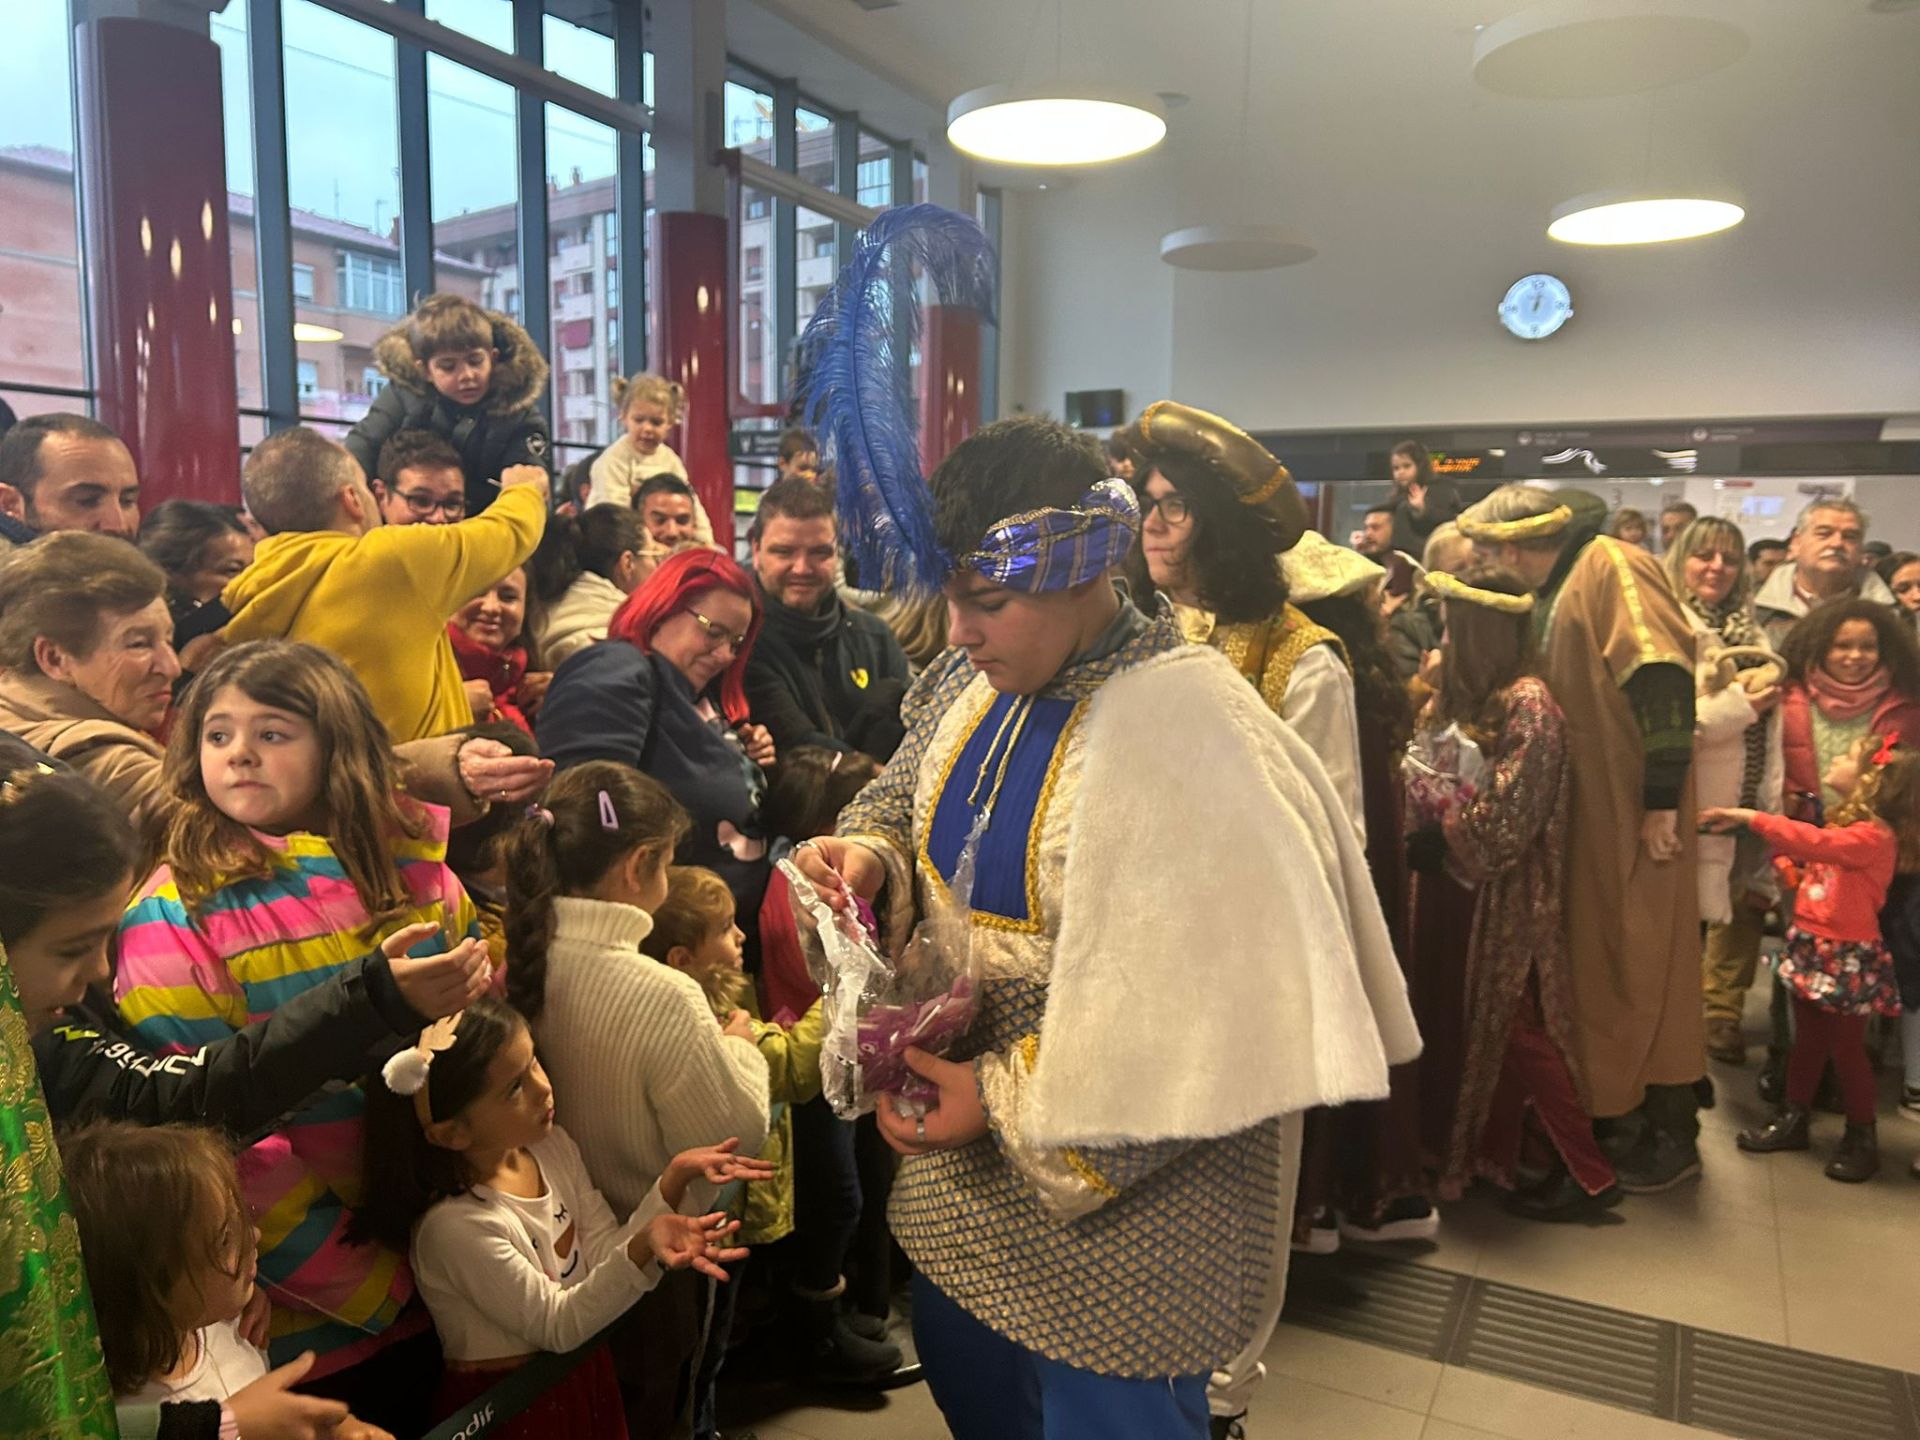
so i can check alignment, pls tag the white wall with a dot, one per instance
(1426, 206)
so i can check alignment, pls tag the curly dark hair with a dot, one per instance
(1235, 555)
(1807, 643)
(1380, 696)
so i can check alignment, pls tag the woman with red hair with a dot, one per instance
(664, 693)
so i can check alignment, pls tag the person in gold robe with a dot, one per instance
(1618, 657)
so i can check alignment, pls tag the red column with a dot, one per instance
(689, 344)
(949, 380)
(154, 193)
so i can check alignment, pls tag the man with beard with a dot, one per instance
(824, 672)
(65, 472)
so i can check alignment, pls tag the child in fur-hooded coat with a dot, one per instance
(498, 427)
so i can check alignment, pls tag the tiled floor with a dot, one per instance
(1764, 1246)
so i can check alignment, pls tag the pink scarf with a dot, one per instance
(1838, 701)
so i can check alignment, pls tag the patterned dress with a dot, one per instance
(1136, 1261)
(1513, 837)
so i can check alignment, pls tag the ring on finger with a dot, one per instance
(920, 1128)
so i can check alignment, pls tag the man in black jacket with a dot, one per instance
(824, 672)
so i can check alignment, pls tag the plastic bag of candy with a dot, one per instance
(877, 1007)
(1440, 770)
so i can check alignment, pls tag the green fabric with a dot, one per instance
(1662, 699)
(53, 1383)
(1831, 738)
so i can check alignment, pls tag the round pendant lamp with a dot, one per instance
(1583, 49)
(1236, 247)
(1054, 124)
(1616, 218)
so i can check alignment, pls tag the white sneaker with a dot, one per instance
(1910, 1101)
(1322, 1239)
(1404, 1220)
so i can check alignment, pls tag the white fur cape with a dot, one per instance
(1222, 957)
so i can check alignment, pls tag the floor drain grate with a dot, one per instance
(1654, 1367)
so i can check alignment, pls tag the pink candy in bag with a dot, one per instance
(877, 1008)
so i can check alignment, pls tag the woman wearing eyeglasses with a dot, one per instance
(665, 693)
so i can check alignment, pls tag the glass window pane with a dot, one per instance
(343, 168)
(580, 47)
(475, 185)
(583, 267)
(759, 366)
(487, 20)
(42, 338)
(814, 147)
(874, 184)
(229, 30)
(749, 120)
(919, 181)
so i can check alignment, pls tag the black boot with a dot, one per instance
(1787, 1130)
(833, 1353)
(1658, 1163)
(1772, 1083)
(1227, 1427)
(1858, 1157)
(1559, 1197)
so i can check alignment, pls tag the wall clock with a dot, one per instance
(1536, 306)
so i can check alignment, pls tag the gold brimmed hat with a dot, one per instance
(1452, 587)
(1515, 514)
(1167, 427)
(1318, 569)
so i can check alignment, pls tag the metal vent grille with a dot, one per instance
(1718, 1382)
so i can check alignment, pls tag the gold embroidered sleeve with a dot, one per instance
(1068, 1190)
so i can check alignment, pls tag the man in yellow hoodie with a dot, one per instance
(377, 596)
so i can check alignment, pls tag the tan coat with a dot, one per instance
(1633, 926)
(58, 720)
(61, 721)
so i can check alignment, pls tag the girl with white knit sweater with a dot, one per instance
(514, 1250)
(641, 1070)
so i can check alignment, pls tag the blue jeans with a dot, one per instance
(989, 1388)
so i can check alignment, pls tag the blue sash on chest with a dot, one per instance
(1002, 873)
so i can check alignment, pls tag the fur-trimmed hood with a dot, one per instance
(519, 375)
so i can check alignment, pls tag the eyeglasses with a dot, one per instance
(717, 634)
(1173, 509)
(423, 503)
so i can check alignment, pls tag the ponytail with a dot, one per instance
(594, 816)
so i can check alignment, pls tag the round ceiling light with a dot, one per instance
(1583, 49)
(1611, 219)
(1235, 247)
(1050, 126)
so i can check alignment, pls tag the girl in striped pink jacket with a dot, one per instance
(291, 851)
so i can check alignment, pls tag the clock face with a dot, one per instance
(1536, 306)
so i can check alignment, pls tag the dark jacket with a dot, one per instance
(612, 701)
(91, 1068)
(1412, 527)
(504, 429)
(834, 678)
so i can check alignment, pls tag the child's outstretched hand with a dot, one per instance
(1723, 819)
(680, 1242)
(437, 985)
(720, 1164)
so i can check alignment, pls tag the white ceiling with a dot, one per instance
(1426, 196)
(1367, 107)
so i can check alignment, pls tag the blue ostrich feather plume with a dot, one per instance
(852, 388)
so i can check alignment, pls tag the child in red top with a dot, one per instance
(1836, 965)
